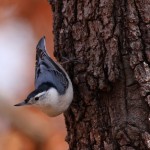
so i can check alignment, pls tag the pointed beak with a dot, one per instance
(21, 104)
(42, 44)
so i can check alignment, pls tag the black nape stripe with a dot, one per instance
(43, 87)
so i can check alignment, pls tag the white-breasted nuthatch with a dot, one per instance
(53, 92)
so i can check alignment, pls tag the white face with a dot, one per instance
(49, 102)
(38, 99)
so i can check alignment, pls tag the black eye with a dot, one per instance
(36, 98)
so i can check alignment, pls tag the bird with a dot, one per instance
(53, 92)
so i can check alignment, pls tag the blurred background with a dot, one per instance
(22, 24)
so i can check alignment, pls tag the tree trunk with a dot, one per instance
(111, 39)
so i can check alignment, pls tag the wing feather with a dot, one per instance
(48, 71)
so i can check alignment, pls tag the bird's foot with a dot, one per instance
(69, 60)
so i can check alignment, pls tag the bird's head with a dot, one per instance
(45, 100)
(34, 98)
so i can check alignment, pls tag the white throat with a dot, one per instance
(54, 104)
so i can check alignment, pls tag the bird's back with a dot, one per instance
(47, 71)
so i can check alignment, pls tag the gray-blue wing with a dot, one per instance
(47, 71)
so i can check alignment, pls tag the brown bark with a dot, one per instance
(111, 106)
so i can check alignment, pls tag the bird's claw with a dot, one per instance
(70, 60)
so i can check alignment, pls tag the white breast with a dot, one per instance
(54, 104)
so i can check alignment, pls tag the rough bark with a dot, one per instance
(111, 106)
